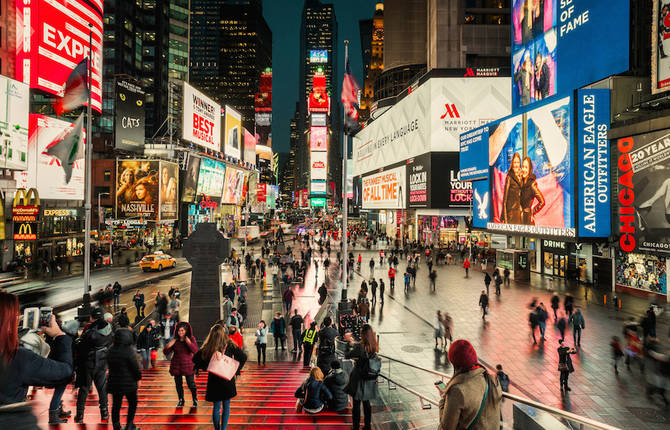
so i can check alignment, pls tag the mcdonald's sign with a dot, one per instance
(25, 213)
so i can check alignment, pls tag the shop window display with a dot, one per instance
(641, 271)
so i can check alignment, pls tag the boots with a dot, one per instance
(54, 419)
(104, 414)
(131, 426)
(79, 418)
(62, 413)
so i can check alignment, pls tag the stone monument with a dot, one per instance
(205, 249)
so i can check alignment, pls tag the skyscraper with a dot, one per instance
(372, 46)
(231, 46)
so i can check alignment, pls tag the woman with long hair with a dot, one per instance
(219, 391)
(21, 368)
(529, 193)
(312, 391)
(362, 386)
(182, 346)
(511, 210)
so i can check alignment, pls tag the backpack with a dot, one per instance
(326, 346)
(373, 368)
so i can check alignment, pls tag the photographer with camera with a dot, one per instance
(21, 368)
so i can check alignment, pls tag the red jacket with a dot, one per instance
(182, 360)
(466, 264)
(237, 338)
(391, 272)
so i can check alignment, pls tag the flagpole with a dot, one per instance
(89, 170)
(345, 209)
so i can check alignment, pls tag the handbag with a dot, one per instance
(223, 366)
(563, 367)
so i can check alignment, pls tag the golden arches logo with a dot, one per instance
(25, 198)
(25, 230)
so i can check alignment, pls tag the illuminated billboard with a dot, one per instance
(561, 45)
(318, 138)
(44, 171)
(318, 56)
(211, 177)
(249, 147)
(129, 117)
(233, 190)
(168, 191)
(137, 188)
(233, 133)
(191, 179)
(52, 38)
(319, 166)
(201, 121)
(384, 190)
(318, 187)
(14, 100)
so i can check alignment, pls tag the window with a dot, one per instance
(107, 175)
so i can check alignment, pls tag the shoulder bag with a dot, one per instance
(223, 366)
(481, 406)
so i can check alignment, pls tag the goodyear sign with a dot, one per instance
(25, 214)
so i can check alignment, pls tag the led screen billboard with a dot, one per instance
(137, 189)
(233, 133)
(318, 187)
(384, 190)
(201, 121)
(318, 138)
(474, 154)
(249, 147)
(233, 189)
(168, 192)
(561, 45)
(44, 171)
(481, 203)
(129, 117)
(14, 103)
(53, 38)
(191, 179)
(318, 165)
(318, 56)
(532, 171)
(211, 177)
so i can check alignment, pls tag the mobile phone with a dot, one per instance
(440, 385)
(31, 318)
(45, 316)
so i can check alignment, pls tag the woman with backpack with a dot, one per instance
(362, 386)
(219, 390)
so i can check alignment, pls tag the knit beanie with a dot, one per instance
(462, 354)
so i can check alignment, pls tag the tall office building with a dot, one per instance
(372, 47)
(231, 46)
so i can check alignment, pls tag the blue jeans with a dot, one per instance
(543, 326)
(146, 357)
(221, 421)
(57, 396)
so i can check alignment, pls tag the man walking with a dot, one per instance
(433, 278)
(577, 320)
(554, 305)
(373, 289)
(542, 317)
(296, 328)
(288, 299)
(138, 299)
(487, 281)
(382, 287)
(372, 267)
(278, 330)
(484, 304)
(117, 294)
(498, 281)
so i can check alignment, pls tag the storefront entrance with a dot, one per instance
(554, 258)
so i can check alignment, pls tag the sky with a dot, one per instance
(283, 17)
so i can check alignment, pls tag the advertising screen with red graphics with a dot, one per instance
(52, 38)
(318, 138)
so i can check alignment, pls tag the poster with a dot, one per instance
(562, 45)
(385, 190)
(169, 190)
(473, 157)
(233, 188)
(201, 121)
(129, 117)
(481, 203)
(44, 171)
(532, 172)
(418, 181)
(249, 148)
(318, 166)
(210, 178)
(643, 180)
(14, 123)
(137, 186)
(191, 179)
(233, 133)
(318, 138)
(642, 271)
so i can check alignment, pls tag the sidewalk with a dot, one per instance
(405, 326)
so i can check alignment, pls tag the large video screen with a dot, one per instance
(169, 189)
(54, 39)
(532, 176)
(210, 177)
(191, 179)
(561, 45)
(137, 186)
(233, 190)
(14, 108)
(233, 133)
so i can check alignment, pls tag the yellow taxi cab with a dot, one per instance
(157, 261)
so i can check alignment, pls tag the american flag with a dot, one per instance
(350, 91)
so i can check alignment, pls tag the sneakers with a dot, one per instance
(54, 418)
(79, 419)
(195, 403)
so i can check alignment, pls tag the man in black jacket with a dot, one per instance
(326, 345)
(91, 363)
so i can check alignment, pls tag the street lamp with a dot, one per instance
(99, 226)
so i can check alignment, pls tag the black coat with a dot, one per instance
(219, 389)
(336, 380)
(149, 339)
(28, 368)
(124, 372)
(91, 348)
(123, 320)
(357, 387)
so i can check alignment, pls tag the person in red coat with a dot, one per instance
(466, 266)
(235, 335)
(183, 345)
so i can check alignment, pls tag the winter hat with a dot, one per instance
(462, 354)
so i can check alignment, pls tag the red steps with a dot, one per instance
(265, 400)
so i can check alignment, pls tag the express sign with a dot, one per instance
(53, 37)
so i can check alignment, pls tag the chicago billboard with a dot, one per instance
(233, 133)
(384, 190)
(201, 121)
(430, 119)
(44, 171)
(558, 46)
(14, 101)
(137, 186)
(129, 117)
(53, 38)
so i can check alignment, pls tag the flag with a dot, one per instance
(350, 91)
(70, 148)
(76, 89)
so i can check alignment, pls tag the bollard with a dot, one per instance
(605, 299)
(620, 304)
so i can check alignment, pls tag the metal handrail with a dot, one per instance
(554, 411)
(409, 390)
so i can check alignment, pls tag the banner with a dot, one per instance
(44, 171)
(137, 184)
(318, 138)
(481, 203)
(14, 103)
(593, 163)
(129, 117)
(261, 192)
(644, 192)
(201, 121)
(169, 189)
(561, 45)
(249, 148)
(660, 47)
(191, 179)
(211, 177)
(474, 154)
(233, 188)
(385, 190)
(418, 181)
(233, 133)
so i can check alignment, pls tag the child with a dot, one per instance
(617, 352)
